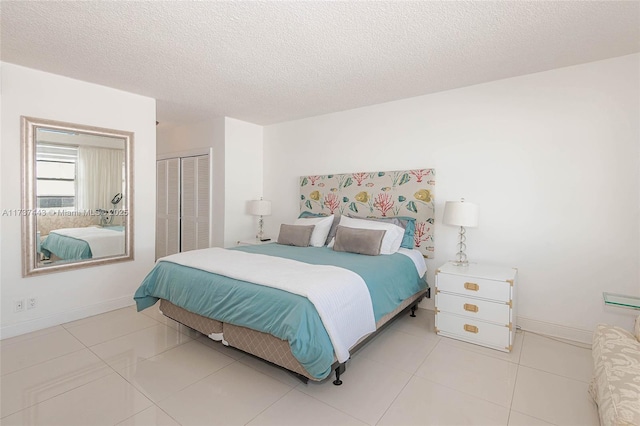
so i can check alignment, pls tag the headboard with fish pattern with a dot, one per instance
(376, 194)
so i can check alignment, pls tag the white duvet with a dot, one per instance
(103, 242)
(340, 296)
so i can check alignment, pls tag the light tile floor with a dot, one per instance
(129, 368)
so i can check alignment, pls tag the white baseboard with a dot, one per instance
(555, 330)
(28, 326)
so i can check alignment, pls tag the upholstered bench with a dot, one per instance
(615, 387)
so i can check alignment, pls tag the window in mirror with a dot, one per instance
(56, 175)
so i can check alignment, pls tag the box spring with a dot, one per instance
(257, 343)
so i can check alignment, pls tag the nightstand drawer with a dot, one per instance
(475, 287)
(497, 312)
(480, 332)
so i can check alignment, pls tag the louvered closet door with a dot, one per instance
(167, 207)
(195, 202)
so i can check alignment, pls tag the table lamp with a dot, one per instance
(260, 208)
(461, 213)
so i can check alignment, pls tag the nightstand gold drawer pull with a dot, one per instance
(472, 286)
(470, 328)
(471, 308)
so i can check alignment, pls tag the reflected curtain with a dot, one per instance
(99, 177)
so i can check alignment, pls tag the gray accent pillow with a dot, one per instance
(361, 241)
(295, 235)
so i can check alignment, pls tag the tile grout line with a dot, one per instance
(329, 405)
(155, 403)
(515, 383)
(511, 409)
(194, 383)
(51, 359)
(142, 359)
(555, 374)
(467, 394)
(413, 375)
(272, 404)
(513, 392)
(351, 415)
(3, 342)
(94, 318)
(46, 360)
(135, 414)
(475, 396)
(179, 390)
(60, 394)
(123, 335)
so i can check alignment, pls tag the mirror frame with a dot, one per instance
(29, 212)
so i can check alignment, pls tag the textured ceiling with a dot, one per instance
(267, 61)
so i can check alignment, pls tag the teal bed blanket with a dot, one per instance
(390, 280)
(65, 247)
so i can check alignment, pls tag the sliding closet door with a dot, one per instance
(167, 207)
(195, 191)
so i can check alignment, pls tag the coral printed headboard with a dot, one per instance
(376, 194)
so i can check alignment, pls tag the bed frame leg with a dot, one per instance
(413, 310)
(429, 293)
(339, 370)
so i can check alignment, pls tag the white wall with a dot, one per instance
(243, 178)
(237, 151)
(67, 296)
(204, 134)
(551, 158)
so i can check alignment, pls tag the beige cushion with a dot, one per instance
(361, 241)
(295, 235)
(616, 383)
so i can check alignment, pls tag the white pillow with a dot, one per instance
(320, 232)
(392, 238)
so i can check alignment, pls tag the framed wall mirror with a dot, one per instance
(77, 196)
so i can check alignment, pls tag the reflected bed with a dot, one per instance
(84, 243)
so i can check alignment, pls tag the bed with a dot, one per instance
(84, 243)
(265, 299)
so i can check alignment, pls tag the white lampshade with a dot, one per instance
(260, 207)
(460, 213)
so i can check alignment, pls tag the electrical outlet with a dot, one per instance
(18, 305)
(32, 303)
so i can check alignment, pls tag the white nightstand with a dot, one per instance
(477, 304)
(253, 242)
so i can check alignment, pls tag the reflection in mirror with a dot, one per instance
(77, 207)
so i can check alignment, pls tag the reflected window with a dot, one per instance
(56, 170)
